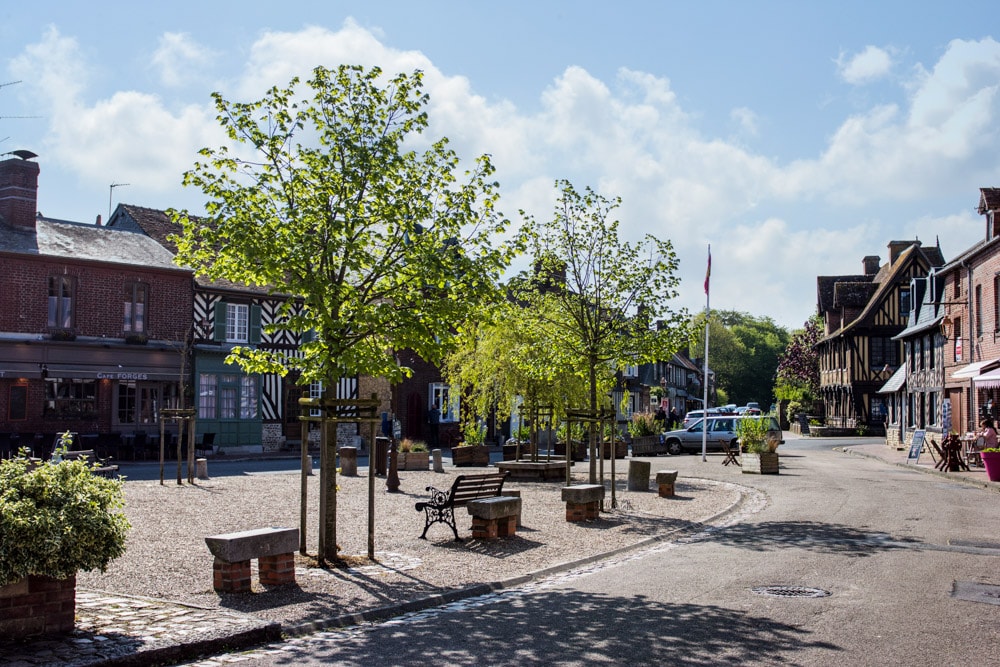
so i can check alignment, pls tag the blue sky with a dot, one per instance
(793, 137)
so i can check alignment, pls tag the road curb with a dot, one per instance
(990, 486)
(428, 602)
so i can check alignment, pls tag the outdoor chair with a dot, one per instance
(205, 446)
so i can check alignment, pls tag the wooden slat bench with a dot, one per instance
(442, 504)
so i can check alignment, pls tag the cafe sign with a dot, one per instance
(122, 375)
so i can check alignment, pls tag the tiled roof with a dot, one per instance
(157, 225)
(989, 199)
(826, 285)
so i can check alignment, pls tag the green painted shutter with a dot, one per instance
(219, 330)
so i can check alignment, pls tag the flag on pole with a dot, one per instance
(708, 271)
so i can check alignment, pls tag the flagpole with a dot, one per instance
(704, 403)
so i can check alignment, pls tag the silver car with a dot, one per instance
(721, 428)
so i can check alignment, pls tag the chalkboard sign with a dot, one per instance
(916, 446)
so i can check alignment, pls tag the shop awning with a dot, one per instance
(896, 382)
(988, 380)
(15, 369)
(972, 370)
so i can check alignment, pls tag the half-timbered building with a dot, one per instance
(862, 314)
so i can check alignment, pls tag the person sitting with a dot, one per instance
(988, 433)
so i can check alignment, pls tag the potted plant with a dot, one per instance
(472, 451)
(758, 447)
(520, 438)
(579, 447)
(412, 455)
(991, 461)
(645, 434)
(56, 518)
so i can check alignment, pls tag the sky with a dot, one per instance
(793, 138)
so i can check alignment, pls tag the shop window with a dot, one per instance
(135, 308)
(67, 398)
(441, 396)
(61, 295)
(17, 404)
(126, 402)
(207, 394)
(248, 397)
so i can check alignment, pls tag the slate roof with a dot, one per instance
(826, 286)
(62, 238)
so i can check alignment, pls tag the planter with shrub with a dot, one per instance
(56, 519)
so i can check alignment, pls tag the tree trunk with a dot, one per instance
(593, 421)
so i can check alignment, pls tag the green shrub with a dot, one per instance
(473, 433)
(752, 433)
(57, 519)
(577, 431)
(643, 423)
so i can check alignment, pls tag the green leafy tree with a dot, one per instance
(743, 353)
(798, 365)
(603, 300)
(325, 197)
(501, 355)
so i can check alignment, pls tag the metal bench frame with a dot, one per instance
(442, 504)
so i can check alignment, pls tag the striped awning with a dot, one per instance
(972, 370)
(988, 380)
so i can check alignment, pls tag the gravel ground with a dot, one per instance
(166, 555)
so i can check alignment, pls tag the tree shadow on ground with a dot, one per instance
(567, 627)
(812, 535)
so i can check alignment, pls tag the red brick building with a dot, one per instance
(92, 323)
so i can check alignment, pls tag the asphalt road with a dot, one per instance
(889, 546)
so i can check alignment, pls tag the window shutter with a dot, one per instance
(255, 315)
(219, 330)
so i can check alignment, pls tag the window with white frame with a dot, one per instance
(446, 401)
(248, 397)
(207, 392)
(237, 323)
(228, 395)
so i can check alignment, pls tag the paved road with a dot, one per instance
(889, 545)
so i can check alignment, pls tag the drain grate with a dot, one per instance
(790, 592)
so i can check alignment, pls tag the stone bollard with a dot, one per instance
(201, 468)
(513, 493)
(638, 475)
(438, 463)
(309, 465)
(665, 482)
(349, 461)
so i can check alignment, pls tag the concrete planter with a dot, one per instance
(764, 463)
(37, 605)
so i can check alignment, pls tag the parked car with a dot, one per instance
(696, 415)
(720, 428)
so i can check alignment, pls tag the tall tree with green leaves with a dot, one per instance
(798, 365)
(604, 300)
(323, 195)
(743, 353)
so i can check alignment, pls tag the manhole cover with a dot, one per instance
(790, 592)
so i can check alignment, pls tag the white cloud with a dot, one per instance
(180, 59)
(868, 66)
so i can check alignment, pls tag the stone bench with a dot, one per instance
(274, 549)
(494, 517)
(665, 480)
(583, 501)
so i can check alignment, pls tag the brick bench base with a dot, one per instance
(665, 482)
(494, 517)
(272, 547)
(583, 501)
(37, 606)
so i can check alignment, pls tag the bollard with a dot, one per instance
(201, 468)
(638, 475)
(438, 464)
(309, 466)
(665, 482)
(349, 461)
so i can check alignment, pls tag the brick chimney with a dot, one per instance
(870, 263)
(19, 191)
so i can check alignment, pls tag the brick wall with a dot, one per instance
(37, 606)
(99, 297)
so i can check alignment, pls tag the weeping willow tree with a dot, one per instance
(502, 356)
